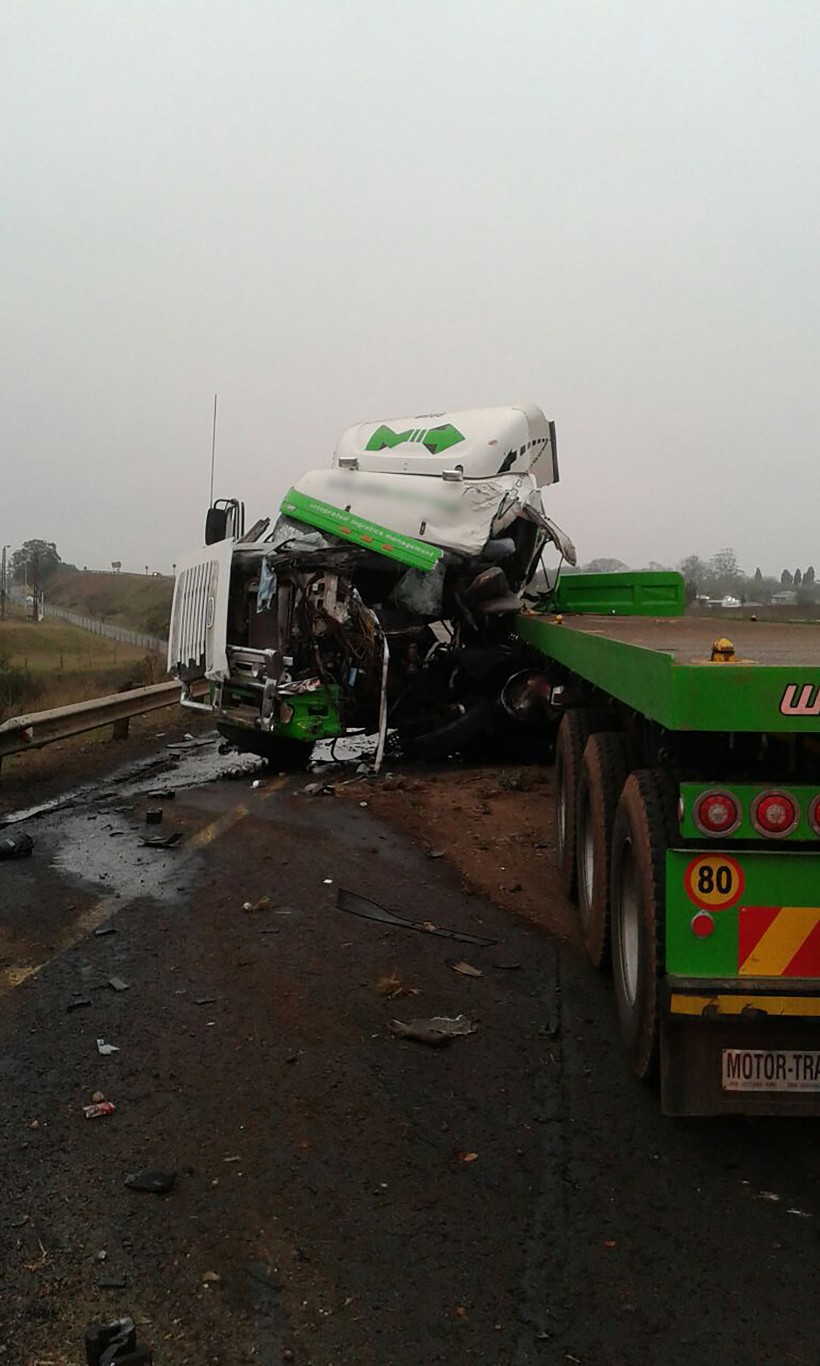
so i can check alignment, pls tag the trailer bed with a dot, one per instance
(662, 667)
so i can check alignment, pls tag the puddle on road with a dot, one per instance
(107, 854)
(171, 769)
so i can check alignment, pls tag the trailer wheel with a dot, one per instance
(604, 770)
(575, 729)
(640, 837)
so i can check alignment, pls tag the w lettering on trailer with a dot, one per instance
(778, 941)
(800, 700)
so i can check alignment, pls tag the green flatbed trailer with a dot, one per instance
(688, 831)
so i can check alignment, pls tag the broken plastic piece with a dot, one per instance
(106, 1048)
(16, 846)
(371, 910)
(151, 1180)
(101, 1107)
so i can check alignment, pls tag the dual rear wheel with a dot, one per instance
(613, 829)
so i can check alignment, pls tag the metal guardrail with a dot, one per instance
(23, 733)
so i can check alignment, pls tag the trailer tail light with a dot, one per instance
(814, 815)
(717, 813)
(775, 814)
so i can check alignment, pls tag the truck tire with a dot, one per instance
(575, 729)
(640, 837)
(604, 770)
(461, 733)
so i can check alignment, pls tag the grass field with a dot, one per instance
(139, 602)
(66, 664)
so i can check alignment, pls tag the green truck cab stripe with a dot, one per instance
(357, 530)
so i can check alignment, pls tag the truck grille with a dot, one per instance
(191, 620)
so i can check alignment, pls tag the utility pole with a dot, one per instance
(3, 584)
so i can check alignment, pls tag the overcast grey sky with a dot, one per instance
(336, 210)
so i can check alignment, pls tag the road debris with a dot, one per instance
(79, 1003)
(468, 1157)
(151, 1180)
(391, 986)
(465, 969)
(104, 1049)
(112, 1283)
(99, 1108)
(211, 1278)
(261, 905)
(436, 853)
(104, 930)
(801, 1213)
(437, 1030)
(118, 984)
(768, 1195)
(108, 1343)
(153, 816)
(162, 841)
(16, 846)
(355, 904)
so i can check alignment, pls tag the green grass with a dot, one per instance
(67, 664)
(140, 602)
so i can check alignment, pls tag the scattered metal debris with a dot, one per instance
(16, 846)
(439, 1029)
(152, 1181)
(162, 841)
(355, 904)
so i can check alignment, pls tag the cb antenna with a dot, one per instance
(213, 455)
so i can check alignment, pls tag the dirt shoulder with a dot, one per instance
(494, 825)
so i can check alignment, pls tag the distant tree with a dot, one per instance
(34, 562)
(786, 579)
(758, 577)
(694, 570)
(798, 578)
(601, 566)
(808, 577)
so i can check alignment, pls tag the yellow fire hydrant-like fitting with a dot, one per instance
(723, 651)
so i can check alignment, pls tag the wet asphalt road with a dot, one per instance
(343, 1196)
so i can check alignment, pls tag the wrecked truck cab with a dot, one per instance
(383, 594)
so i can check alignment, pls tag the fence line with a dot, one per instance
(155, 644)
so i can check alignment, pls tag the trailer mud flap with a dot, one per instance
(740, 1064)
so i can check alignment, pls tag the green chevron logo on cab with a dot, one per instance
(435, 439)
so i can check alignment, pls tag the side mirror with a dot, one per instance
(216, 525)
